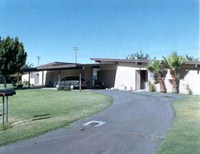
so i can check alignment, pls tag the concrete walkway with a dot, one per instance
(135, 123)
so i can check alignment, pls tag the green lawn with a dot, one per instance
(62, 107)
(8, 86)
(184, 136)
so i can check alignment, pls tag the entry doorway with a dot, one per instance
(141, 79)
(144, 79)
(96, 74)
(37, 79)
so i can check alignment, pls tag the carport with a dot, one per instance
(58, 67)
(47, 74)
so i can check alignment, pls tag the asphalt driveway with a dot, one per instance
(135, 123)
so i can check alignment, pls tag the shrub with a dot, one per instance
(66, 89)
(20, 86)
(14, 84)
(60, 88)
(26, 83)
(189, 90)
(152, 86)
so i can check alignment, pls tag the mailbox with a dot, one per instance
(5, 93)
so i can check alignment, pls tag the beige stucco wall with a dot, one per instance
(192, 78)
(126, 76)
(25, 77)
(33, 81)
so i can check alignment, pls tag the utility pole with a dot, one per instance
(75, 50)
(38, 59)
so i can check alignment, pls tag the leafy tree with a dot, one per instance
(139, 55)
(156, 67)
(191, 58)
(12, 57)
(174, 63)
(27, 65)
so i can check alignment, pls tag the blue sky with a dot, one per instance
(101, 28)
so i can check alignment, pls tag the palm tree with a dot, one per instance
(174, 63)
(156, 67)
(191, 58)
(139, 55)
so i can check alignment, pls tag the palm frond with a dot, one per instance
(155, 66)
(174, 61)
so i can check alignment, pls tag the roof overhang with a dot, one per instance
(136, 61)
(115, 61)
(61, 66)
(54, 66)
(194, 63)
(99, 62)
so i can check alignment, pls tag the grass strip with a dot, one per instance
(184, 136)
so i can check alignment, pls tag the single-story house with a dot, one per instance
(114, 73)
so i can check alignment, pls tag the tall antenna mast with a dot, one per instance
(75, 50)
(38, 59)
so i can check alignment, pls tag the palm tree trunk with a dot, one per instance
(162, 84)
(175, 85)
(174, 82)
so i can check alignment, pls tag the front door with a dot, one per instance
(141, 79)
(144, 78)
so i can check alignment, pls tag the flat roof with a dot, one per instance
(59, 66)
(100, 61)
(121, 60)
(106, 60)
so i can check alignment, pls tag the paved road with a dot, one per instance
(135, 123)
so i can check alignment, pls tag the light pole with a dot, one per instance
(75, 50)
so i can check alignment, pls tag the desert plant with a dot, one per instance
(152, 86)
(189, 90)
(174, 63)
(156, 67)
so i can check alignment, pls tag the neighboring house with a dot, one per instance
(114, 73)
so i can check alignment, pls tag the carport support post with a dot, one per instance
(80, 81)
(42, 78)
(6, 109)
(3, 111)
(59, 75)
(29, 78)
